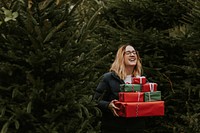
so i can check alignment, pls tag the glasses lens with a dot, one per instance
(129, 52)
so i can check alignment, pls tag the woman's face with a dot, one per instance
(130, 56)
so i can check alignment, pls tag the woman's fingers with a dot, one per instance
(113, 108)
(115, 113)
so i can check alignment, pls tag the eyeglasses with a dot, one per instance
(130, 52)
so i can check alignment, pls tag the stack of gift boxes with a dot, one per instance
(140, 98)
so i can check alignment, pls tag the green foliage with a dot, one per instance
(166, 35)
(145, 14)
(54, 51)
(46, 78)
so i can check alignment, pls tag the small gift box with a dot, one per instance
(130, 87)
(140, 109)
(149, 87)
(152, 96)
(131, 96)
(139, 80)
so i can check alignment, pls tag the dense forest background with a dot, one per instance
(53, 53)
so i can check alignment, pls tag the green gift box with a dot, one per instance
(152, 96)
(130, 87)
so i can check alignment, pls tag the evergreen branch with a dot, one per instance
(50, 35)
(5, 127)
(170, 82)
(87, 27)
(74, 7)
(45, 4)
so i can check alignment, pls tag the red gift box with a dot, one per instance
(140, 109)
(139, 80)
(131, 96)
(149, 87)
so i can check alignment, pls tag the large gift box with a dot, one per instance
(131, 97)
(152, 96)
(140, 109)
(139, 80)
(130, 87)
(149, 87)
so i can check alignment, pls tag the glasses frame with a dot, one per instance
(131, 52)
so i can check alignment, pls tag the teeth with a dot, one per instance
(132, 59)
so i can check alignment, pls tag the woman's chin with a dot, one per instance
(131, 64)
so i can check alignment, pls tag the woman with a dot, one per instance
(126, 65)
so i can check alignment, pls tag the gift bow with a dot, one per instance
(151, 87)
(141, 79)
(151, 90)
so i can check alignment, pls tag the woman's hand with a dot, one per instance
(113, 108)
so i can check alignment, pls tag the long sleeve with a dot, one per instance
(102, 93)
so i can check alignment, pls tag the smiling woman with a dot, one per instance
(127, 62)
(126, 65)
(130, 59)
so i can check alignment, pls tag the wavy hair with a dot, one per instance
(118, 66)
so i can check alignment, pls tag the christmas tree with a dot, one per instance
(53, 53)
(47, 66)
(166, 35)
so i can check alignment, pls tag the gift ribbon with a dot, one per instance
(140, 80)
(132, 87)
(137, 107)
(138, 96)
(137, 110)
(151, 85)
(149, 96)
(142, 77)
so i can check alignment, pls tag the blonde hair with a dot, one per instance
(118, 65)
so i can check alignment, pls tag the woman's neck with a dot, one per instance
(129, 70)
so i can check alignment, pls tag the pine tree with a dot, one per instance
(151, 26)
(187, 85)
(53, 53)
(48, 66)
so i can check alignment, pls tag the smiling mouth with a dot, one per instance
(132, 60)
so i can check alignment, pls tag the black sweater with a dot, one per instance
(106, 91)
